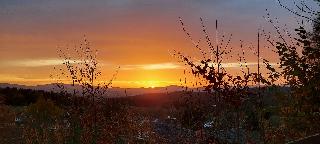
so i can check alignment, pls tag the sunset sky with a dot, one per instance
(137, 35)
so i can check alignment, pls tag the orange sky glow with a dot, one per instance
(139, 36)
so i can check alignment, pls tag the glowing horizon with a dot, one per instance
(150, 82)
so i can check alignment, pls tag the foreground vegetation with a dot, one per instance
(227, 110)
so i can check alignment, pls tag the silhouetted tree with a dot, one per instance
(300, 66)
(81, 68)
(229, 93)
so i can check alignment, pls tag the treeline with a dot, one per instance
(25, 97)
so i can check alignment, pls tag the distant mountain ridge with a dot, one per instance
(115, 91)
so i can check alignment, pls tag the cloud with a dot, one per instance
(238, 65)
(156, 66)
(159, 66)
(32, 63)
(162, 66)
(4, 78)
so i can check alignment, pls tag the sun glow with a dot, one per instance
(144, 83)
